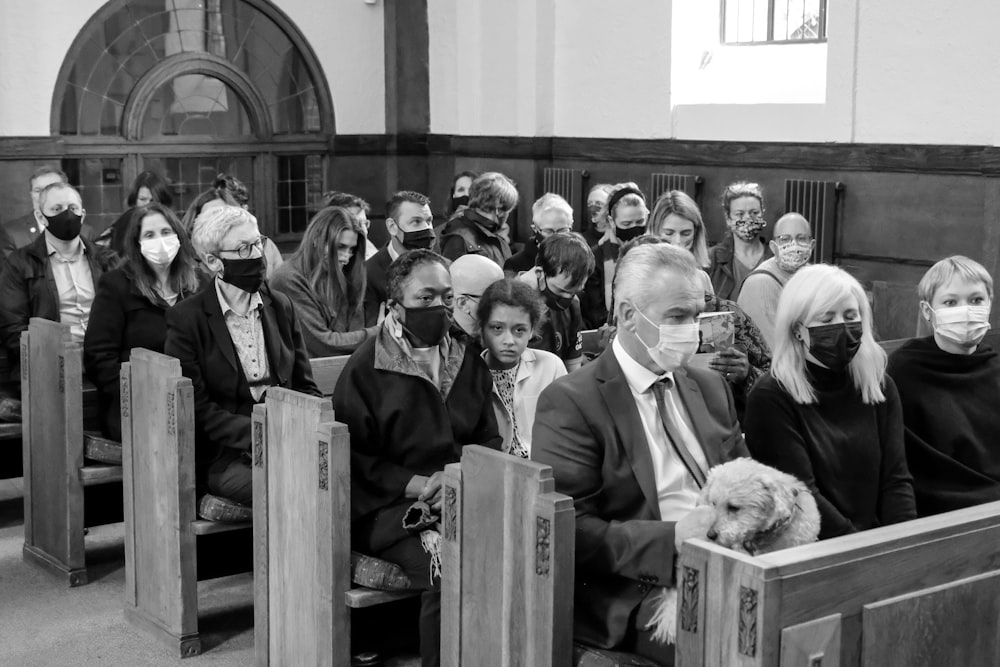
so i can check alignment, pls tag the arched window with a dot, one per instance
(189, 88)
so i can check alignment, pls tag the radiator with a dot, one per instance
(818, 201)
(568, 184)
(686, 183)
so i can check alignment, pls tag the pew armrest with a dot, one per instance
(357, 598)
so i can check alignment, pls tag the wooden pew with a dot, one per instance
(53, 444)
(161, 522)
(507, 563)
(925, 592)
(302, 536)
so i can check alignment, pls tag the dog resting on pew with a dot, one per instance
(757, 510)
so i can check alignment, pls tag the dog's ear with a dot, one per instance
(785, 496)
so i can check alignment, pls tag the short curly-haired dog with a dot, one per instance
(757, 510)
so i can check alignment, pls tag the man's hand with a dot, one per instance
(695, 524)
(431, 493)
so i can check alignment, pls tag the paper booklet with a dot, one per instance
(716, 332)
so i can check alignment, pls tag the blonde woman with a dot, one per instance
(827, 412)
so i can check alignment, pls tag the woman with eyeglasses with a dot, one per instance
(158, 269)
(325, 280)
(742, 249)
(677, 220)
(827, 412)
(479, 229)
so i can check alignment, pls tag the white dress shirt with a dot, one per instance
(75, 284)
(676, 489)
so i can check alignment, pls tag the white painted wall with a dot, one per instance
(347, 36)
(914, 72)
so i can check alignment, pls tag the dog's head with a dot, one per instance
(753, 503)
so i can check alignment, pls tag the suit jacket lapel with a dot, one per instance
(219, 329)
(694, 402)
(624, 414)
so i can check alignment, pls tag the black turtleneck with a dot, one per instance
(849, 454)
(951, 411)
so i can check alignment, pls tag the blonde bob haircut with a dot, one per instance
(811, 291)
(679, 203)
(944, 271)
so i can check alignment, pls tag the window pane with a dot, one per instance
(196, 104)
(142, 33)
(190, 176)
(300, 190)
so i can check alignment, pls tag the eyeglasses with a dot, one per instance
(553, 232)
(801, 239)
(246, 249)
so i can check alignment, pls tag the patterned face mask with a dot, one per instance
(792, 257)
(749, 229)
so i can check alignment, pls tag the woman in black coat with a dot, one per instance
(157, 271)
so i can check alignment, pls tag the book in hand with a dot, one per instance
(716, 332)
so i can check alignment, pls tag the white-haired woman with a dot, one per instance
(949, 384)
(827, 413)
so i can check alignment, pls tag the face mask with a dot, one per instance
(160, 251)
(246, 274)
(626, 235)
(965, 325)
(676, 346)
(463, 200)
(792, 257)
(419, 240)
(834, 345)
(426, 327)
(64, 225)
(555, 301)
(748, 229)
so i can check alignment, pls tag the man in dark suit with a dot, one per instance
(630, 438)
(234, 339)
(20, 232)
(410, 224)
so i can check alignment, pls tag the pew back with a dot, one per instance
(158, 450)
(842, 601)
(301, 469)
(326, 371)
(507, 591)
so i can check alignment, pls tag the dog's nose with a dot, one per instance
(712, 534)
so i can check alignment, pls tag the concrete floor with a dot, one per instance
(45, 623)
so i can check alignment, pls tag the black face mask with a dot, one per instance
(64, 225)
(555, 301)
(834, 345)
(426, 327)
(422, 239)
(626, 235)
(247, 274)
(462, 200)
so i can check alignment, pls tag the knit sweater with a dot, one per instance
(848, 453)
(950, 414)
(760, 293)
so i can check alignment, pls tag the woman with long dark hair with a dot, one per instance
(325, 279)
(148, 188)
(157, 270)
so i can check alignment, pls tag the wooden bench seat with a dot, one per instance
(55, 409)
(924, 592)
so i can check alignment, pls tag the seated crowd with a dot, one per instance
(448, 351)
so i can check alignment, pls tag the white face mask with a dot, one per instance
(676, 346)
(964, 325)
(160, 251)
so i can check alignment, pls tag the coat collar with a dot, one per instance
(525, 369)
(624, 414)
(272, 337)
(391, 357)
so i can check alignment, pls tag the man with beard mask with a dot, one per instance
(550, 215)
(470, 276)
(410, 224)
(563, 265)
(479, 229)
(54, 276)
(234, 339)
(412, 397)
(792, 246)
